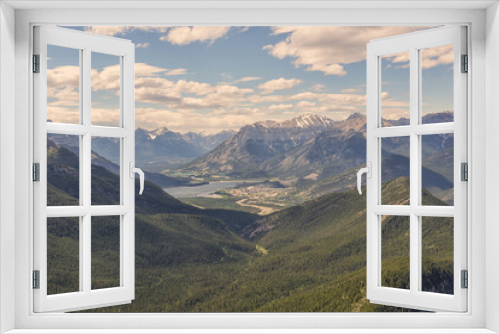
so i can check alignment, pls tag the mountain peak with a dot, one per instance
(158, 132)
(355, 115)
(301, 121)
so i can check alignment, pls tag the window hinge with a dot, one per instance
(36, 279)
(36, 63)
(36, 172)
(465, 279)
(465, 64)
(464, 170)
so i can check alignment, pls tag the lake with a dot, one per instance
(206, 189)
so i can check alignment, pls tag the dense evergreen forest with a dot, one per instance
(306, 258)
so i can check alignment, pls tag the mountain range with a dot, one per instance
(108, 147)
(306, 258)
(308, 144)
(296, 146)
(162, 148)
(155, 150)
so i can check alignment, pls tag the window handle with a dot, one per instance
(368, 171)
(139, 171)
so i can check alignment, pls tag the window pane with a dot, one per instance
(437, 169)
(437, 255)
(395, 251)
(105, 90)
(63, 170)
(395, 92)
(395, 171)
(105, 252)
(63, 255)
(105, 173)
(437, 84)
(63, 85)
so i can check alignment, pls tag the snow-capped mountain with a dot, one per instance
(299, 146)
(303, 121)
(155, 150)
(261, 147)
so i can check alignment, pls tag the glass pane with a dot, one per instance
(437, 169)
(395, 251)
(63, 170)
(105, 90)
(395, 91)
(105, 173)
(395, 171)
(63, 255)
(63, 85)
(437, 254)
(105, 252)
(108, 148)
(437, 84)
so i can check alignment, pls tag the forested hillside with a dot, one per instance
(310, 257)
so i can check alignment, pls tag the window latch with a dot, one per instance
(368, 171)
(139, 171)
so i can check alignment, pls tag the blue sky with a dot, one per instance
(216, 78)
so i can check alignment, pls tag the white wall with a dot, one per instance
(492, 165)
(7, 160)
(487, 282)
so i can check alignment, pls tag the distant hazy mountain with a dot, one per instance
(295, 146)
(60, 143)
(160, 149)
(262, 143)
(155, 150)
(306, 144)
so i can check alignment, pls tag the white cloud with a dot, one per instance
(141, 45)
(220, 119)
(122, 30)
(305, 104)
(63, 94)
(248, 79)
(108, 30)
(270, 86)
(185, 105)
(318, 87)
(441, 55)
(280, 107)
(395, 113)
(177, 71)
(105, 116)
(187, 35)
(350, 90)
(146, 70)
(328, 49)
(70, 115)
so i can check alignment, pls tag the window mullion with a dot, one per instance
(85, 242)
(414, 172)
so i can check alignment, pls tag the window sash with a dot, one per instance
(414, 298)
(86, 297)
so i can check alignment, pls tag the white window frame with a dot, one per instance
(484, 267)
(413, 43)
(86, 43)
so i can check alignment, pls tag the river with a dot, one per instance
(206, 189)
